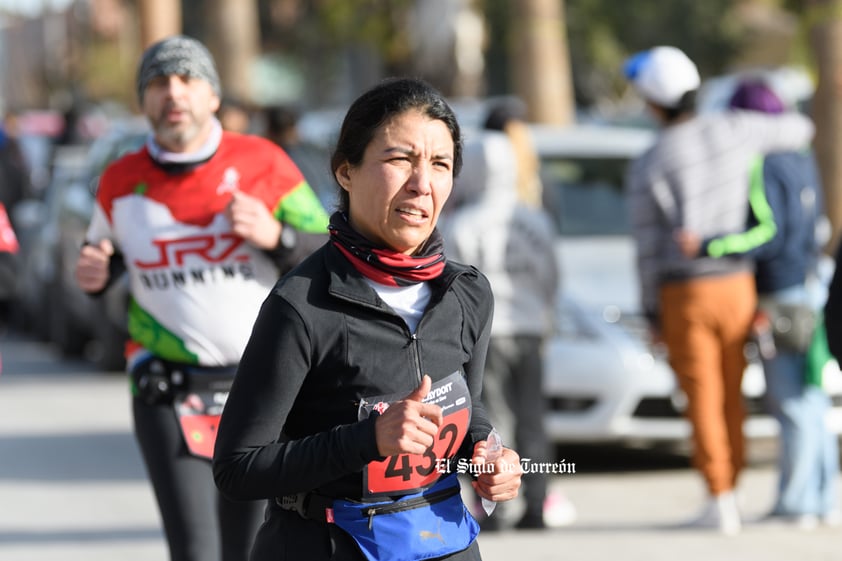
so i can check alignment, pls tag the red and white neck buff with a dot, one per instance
(386, 266)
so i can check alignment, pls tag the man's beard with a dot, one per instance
(175, 135)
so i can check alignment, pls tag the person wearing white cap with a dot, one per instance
(663, 76)
(696, 177)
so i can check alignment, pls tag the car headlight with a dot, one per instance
(572, 324)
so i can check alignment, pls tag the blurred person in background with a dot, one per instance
(235, 115)
(14, 172)
(205, 221)
(786, 210)
(14, 187)
(695, 178)
(281, 127)
(514, 246)
(509, 117)
(70, 132)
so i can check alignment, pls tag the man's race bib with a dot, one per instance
(408, 473)
(198, 415)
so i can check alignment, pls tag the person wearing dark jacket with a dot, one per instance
(513, 245)
(786, 202)
(357, 401)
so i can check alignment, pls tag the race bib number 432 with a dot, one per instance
(407, 473)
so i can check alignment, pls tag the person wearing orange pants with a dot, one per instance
(706, 322)
(695, 177)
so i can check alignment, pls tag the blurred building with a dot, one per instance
(51, 59)
(31, 54)
(314, 54)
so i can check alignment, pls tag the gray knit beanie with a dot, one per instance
(179, 55)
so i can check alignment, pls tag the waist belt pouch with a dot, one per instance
(792, 325)
(198, 398)
(425, 525)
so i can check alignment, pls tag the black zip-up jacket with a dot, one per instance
(322, 341)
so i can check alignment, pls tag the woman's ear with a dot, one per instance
(343, 176)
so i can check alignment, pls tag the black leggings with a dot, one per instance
(199, 523)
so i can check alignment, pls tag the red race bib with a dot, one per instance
(198, 417)
(408, 473)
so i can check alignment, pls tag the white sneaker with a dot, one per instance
(832, 518)
(805, 522)
(720, 513)
(558, 511)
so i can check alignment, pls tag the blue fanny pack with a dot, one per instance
(425, 525)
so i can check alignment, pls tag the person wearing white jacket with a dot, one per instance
(513, 245)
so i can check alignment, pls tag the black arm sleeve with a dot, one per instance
(251, 460)
(476, 338)
(306, 243)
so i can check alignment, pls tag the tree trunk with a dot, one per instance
(158, 19)
(826, 40)
(541, 61)
(233, 38)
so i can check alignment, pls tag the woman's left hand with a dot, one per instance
(500, 482)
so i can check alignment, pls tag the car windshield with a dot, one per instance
(585, 195)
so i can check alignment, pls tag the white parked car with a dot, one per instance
(604, 380)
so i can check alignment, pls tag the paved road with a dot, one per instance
(72, 487)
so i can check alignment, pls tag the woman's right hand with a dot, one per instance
(408, 426)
